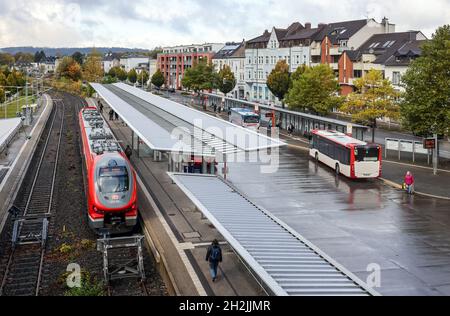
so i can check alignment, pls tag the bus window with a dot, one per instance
(251, 119)
(366, 153)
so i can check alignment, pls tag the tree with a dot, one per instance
(200, 77)
(316, 90)
(278, 80)
(39, 56)
(23, 57)
(132, 76)
(143, 77)
(2, 79)
(298, 73)
(373, 99)
(2, 95)
(158, 79)
(425, 108)
(93, 68)
(78, 57)
(119, 73)
(69, 68)
(226, 80)
(6, 59)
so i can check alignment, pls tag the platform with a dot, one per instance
(8, 129)
(284, 261)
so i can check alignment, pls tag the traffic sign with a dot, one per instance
(429, 143)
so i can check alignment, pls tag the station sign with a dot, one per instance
(429, 143)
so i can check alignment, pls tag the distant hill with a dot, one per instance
(65, 51)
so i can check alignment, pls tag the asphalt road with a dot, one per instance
(358, 223)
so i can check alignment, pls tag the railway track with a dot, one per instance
(22, 271)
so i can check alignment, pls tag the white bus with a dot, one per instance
(346, 155)
(244, 117)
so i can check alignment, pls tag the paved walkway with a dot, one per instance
(180, 233)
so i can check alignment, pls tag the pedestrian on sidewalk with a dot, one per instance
(111, 115)
(128, 152)
(214, 256)
(215, 107)
(409, 182)
(290, 129)
(116, 115)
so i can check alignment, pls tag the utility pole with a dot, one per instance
(435, 154)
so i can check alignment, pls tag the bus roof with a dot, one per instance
(244, 111)
(338, 137)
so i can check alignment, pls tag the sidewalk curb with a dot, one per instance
(399, 186)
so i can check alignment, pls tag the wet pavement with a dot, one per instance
(358, 223)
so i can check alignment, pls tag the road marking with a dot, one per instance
(179, 246)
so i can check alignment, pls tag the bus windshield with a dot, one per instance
(367, 153)
(251, 119)
(113, 179)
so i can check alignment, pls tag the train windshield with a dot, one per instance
(367, 153)
(113, 180)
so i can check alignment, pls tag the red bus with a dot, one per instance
(346, 155)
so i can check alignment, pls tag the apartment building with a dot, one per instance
(233, 55)
(263, 52)
(335, 38)
(173, 61)
(390, 53)
(110, 60)
(133, 61)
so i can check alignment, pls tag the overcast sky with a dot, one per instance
(150, 23)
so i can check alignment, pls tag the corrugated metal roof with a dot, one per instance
(286, 262)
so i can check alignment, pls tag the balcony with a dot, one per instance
(315, 51)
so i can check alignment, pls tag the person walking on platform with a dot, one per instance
(117, 116)
(111, 115)
(214, 256)
(100, 107)
(409, 182)
(128, 152)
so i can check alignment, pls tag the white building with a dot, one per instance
(233, 55)
(303, 45)
(133, 62)
(110, 60)
(262, 54)
(152, 67)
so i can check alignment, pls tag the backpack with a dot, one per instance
(215, 253)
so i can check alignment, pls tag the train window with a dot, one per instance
(113, 180)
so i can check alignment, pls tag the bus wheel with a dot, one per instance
(338, 169)
(317, 157)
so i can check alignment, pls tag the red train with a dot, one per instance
(111, 180)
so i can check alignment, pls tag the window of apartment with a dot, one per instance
(343, 43)
(357, 73)
(298, 59)
(396, 78)
(289, 60)
(260, 93)
(255, 92)
(249, 75)
(266, 93)
(267, 60)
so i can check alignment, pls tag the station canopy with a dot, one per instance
(168, 126)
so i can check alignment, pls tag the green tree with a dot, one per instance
(278, 80)
(121, 74)
(200, 77)
(23, 57)
(425, 108)
(69, 68)
(158, 79)
(6, 59)
(93, 68)
(373, 99)
(298, 73)
(11, 80)
(2, 95)
(78, 57)
(226, 80)
(143, 77)
(316, 91)
(132, 76)
(39, 56)
(2, 79)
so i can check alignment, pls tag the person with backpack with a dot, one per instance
(409, 183)
(214, 256)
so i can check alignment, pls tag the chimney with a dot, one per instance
(308, 25)
(385, 23)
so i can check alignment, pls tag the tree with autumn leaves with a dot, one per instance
(374, 98)
(278, 80)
